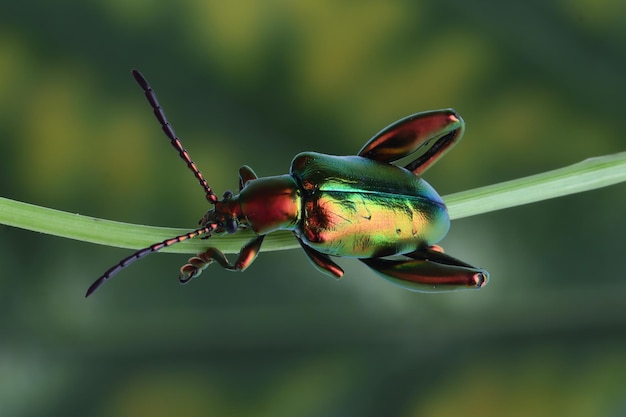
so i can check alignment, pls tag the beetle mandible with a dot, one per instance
(361, 206)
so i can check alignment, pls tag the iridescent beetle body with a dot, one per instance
(345, 199)
(359, 206)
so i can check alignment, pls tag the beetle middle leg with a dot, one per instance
(437, 130)
(198, 263)
(322, 262)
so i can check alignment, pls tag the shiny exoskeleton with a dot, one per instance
(359, 206)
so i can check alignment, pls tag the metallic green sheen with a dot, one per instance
(356, 207)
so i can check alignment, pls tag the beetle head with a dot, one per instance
(226, 215)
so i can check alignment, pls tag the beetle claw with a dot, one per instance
(193, 268)
(185, 276)
(187, 273)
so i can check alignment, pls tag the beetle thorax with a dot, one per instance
(271, 203)
(265, 205)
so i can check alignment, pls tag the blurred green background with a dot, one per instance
(539, 84)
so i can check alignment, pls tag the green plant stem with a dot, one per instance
(586, 175)
(583, 176)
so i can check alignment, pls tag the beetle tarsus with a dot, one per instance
(191, 270)
(196, 264)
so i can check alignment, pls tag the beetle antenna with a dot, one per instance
(206, 230)
(169, 132)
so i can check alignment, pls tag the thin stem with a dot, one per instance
(583, 176)
(586, 175)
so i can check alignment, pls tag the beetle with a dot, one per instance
(360, 206)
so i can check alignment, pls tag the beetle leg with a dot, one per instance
(435, 253)
(322, 262)
(437, 129)
(429, 270)
(246, 174)
(196, 264)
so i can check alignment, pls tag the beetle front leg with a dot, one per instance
(437, 129)
(197, 264)
(429, 270)
(246, 174)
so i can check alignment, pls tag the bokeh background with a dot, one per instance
(540, 84)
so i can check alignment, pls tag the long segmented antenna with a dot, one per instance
(210, 196)
(206, 230)
(169, 132)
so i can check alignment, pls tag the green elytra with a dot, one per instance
(361, 206)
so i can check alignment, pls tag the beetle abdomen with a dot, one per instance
(356, 207)
(365, 225)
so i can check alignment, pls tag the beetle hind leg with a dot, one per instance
(436, 131)
(429, 270)
(198, 263)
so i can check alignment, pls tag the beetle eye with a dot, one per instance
(230, 225)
